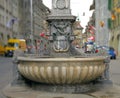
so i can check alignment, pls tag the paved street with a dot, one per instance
(113, 92)
(5, 72)
(115, 71)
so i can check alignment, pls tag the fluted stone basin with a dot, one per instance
(61, 70)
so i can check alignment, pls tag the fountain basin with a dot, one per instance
(61, 70)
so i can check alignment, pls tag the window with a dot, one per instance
(8, 37)
(1, 36)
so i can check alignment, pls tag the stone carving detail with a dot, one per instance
(61, 32)
(61, 44)
(61, 4)
(61, 28)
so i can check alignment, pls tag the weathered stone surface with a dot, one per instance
(61, 70)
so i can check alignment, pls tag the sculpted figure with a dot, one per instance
(62, 28)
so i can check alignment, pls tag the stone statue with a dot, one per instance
(61, 4)
(62, 28)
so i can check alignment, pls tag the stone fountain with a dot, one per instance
(64, 64)
(63, 68)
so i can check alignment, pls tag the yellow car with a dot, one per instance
(2, 50)
(14, 44)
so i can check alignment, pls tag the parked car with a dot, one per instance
(2, 50)
(112, 53)
(14, 44)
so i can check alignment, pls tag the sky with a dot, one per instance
(78, 7)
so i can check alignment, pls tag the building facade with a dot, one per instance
(8, 11)
(102, 15)
(32, 20)
(21, 19)
(114, 24)
(107, 19)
